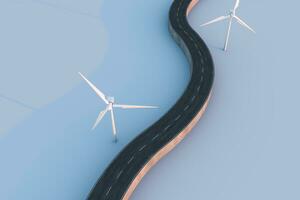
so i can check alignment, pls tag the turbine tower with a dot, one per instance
(230, 16)
(110, 105)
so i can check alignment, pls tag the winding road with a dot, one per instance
(125, 172)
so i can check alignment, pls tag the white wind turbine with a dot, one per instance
(110, 102)
(230, 16)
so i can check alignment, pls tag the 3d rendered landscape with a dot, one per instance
(140, 100)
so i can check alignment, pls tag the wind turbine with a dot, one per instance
(230, 16)
(110, 105)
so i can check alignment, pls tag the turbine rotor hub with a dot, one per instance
(232, 13)
(111, 99)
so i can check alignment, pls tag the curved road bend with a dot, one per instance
(125, 172)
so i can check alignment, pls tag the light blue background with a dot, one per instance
(49, 150)
(245, 147)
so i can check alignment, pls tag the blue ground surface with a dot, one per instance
(246, 146)
(49, 151)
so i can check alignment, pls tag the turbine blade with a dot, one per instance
(133, 106)
(113, 122)
(237, 4)
(96, 90)
(100, 117)
(215, 20)
(244, 24)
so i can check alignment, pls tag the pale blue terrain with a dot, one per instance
(47, 148)
(245, 146)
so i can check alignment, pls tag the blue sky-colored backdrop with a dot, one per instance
(48, 150)
(245, 147)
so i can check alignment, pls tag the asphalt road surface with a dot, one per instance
(124, 171)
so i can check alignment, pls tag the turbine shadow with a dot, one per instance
(15, 101)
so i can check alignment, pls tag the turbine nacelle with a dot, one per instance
(111, 99)
(232, 13)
